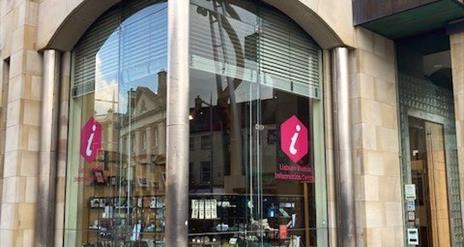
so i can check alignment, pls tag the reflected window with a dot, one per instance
(205, 142)
(205, 169)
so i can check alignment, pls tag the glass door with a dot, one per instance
(284, 168)
(439, 214)
(428, 172)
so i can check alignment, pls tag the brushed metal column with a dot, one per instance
(177, 169)
(48, 149)
(346, 230)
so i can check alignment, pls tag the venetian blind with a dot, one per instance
(288, 58)
(272, 51)
(121, 46)
(86, 49)
(219, 44)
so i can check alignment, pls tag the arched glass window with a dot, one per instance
(256, 129)
(116, 169)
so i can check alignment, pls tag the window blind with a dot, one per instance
(274, 51)
(218, 44)
(86, 49)
(288, 58)
(121, 47)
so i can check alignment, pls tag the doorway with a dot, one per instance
(428, 174)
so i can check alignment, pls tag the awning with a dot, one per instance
(421, 19)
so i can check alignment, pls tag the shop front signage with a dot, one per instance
(294, 144)
(411, 205)
(410, 191)
(411, 216)
(294, 138)
(413, 236)
(91, 139)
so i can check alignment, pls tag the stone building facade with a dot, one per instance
(38, 47)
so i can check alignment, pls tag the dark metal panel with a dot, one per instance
(455, 27)
(368, 10)
(365, 10)
(425, 18)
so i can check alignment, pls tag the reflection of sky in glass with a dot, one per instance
(131, 57)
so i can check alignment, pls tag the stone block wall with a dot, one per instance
(27, 25)
(374, 106)
(18, 20)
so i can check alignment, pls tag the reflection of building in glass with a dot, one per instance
(210, 144)
(146, 118)
(131, 169)
(143, 135)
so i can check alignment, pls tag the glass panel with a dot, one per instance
(245, 188)
(419, 171)
(224, 206)
(286, 166)
(428, 172)
(116, 175)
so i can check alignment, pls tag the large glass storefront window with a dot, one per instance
(256, 130)
(116, 169)
(254, 80)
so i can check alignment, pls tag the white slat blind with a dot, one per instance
(129, 46)
(86, 49)
(273, 51)
(288, 58)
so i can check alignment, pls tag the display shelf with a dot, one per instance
(234, 213)
(148, 211)
(205, 244)
(246, 194)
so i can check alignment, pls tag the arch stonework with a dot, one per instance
(73, 18)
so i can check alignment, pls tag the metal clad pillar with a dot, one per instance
(177, 124)
(48, 149)
(343, 148)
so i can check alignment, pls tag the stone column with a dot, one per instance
(48, 149)
(177, 169)
(161, 135)
(457, 61)
(342, 148)
(150, 142)
(65, 84)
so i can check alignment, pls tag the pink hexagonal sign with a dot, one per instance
(294, 138)
(91, 139)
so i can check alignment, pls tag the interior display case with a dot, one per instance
(224, 220)
(108, 217)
